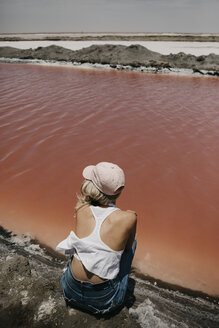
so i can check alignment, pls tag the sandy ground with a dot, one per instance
(163, 47)
(31, 295)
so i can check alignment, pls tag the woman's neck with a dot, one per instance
(112, 204)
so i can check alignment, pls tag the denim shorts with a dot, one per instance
(98, 298)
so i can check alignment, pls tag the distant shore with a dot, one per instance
(111, 36)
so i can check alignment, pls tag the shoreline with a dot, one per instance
(134, 58)
(32, 272)
(106, 67)
(22, 243)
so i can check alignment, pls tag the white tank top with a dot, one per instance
(95, 255)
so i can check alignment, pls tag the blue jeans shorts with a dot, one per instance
(98, 298)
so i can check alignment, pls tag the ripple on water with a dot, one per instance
(162, 130)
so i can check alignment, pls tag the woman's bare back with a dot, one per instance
(117, 231)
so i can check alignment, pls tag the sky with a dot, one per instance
(197, 16)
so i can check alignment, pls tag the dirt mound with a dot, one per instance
(133, 56)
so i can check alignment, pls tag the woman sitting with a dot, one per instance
(103, 244)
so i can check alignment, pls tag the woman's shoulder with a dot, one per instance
(127, 218)
(128, 213)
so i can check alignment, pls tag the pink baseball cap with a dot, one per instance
(107, 177)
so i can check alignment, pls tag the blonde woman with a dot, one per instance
(103, 244)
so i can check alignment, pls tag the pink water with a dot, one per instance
(162, 130)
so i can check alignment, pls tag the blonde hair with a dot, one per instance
(90, 195)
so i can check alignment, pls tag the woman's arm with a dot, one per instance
(132, 230)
